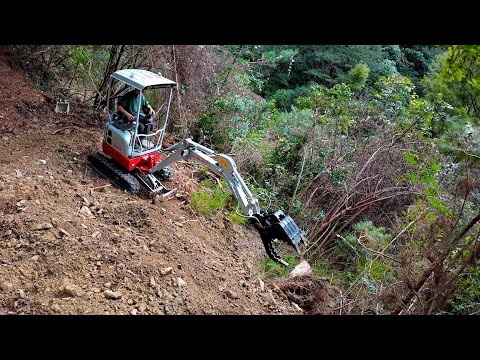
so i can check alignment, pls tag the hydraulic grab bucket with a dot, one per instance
(279, 226)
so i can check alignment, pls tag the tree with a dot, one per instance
(116, 52)
(358, 76)
(455, 77)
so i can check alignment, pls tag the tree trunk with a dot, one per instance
(116, 52)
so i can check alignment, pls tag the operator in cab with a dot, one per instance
(128, 107)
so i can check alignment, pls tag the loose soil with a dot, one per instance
(72, 244)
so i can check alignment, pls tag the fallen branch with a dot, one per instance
(373, 251)
(99, 187)
(403, 230)
(299, 177)
(344, 305)
(65, 128)
(467, 153)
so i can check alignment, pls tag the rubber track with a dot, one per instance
(113, 172)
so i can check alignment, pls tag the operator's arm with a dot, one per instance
(125, 112)
(148, 106)
(150, 110)
(123, 105)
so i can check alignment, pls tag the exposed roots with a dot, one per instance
(313, 295)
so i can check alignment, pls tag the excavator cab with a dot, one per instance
(124, 135)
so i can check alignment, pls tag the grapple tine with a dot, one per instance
(296, 248)
(268, 244)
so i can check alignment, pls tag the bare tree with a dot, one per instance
(116, 53)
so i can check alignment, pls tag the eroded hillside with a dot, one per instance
(72, 244)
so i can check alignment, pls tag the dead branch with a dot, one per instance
(178, 91)
(100, 187)
(65, 128)
(373, 251)
(299, 177)
(408, 297)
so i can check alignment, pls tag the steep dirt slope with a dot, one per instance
(69, 243)
(72, 244)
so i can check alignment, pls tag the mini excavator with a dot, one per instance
(131, 159)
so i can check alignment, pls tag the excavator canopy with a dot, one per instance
(141, 79)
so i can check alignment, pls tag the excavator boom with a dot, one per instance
(270, 226)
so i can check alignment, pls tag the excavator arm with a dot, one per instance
(270, 226)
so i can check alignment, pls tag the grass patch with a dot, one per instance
(210, 198)
(322, 268)
(270, 269)
(235, 218)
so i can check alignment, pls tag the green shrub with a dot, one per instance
(203, 171)
(210, 198)
(322, 268)
(270, 269)
(358, 76)
(468, 297)
(377, 236)
(283, 99)
(235, 218)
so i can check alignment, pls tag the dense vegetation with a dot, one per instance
(374, 150)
